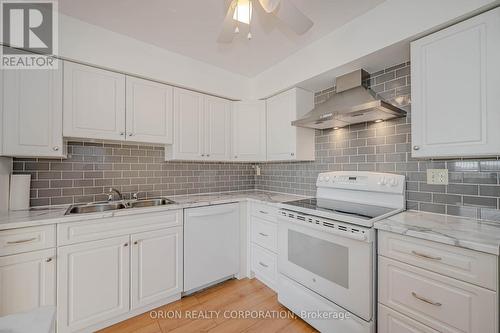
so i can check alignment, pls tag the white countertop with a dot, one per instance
(51, 215)
(458, 231)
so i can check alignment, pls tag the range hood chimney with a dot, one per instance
(352, 103)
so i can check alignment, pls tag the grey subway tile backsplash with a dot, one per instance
(474, 186)
(92, 167)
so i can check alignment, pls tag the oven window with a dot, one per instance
(318, 256)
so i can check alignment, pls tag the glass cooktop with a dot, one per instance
(337, 207)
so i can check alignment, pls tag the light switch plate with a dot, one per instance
(437, 176)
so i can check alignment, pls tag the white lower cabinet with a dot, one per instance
(263, 243)
(27, 281)
(111, 269)
(430, 298)
(390, 321)
(156, 266)
(93, 283)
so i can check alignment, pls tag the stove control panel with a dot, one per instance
(363, 181)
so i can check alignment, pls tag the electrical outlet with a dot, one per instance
(437, 176)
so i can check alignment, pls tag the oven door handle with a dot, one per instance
(345, 234)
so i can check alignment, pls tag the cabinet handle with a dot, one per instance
(426, 300)
(130, 134)
(426, 256)
(263, 234)
(208, 155)
(263, 265)
(292, 154)
(126, 244)
(202, 155)
(263, 212)
(416, 147)
(23, 241)
(235, 156)
(56, 148)
(122, 133)
(136, 242)
(48, 259)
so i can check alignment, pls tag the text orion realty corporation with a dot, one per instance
(29, 34)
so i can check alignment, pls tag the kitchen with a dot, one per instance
(229, 181)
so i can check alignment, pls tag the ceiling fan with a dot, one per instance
(240, 11)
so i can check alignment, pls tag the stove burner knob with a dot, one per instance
(382, 181)
(327, 179)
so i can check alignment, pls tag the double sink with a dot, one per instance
(95, 207)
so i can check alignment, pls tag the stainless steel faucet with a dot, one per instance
(110, 194)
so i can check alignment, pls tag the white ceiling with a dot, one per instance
(191, 27)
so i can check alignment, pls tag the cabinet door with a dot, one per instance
(281, 135)
(249, 131)
(94, 103)
(455, 99)
(188, 125)
(27, 281)
(32, 112)
(156, 266)
(93, 282)
(217, 128)
(149, 111)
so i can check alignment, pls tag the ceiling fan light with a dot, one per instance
(237, 30)
(249, 36)
(243, 11)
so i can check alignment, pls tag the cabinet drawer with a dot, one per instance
(445, 304)
(264, 233)
(390, 321)
(82, 231)
(264, 265)
(27, 239)
(466, 265)
(265, 212)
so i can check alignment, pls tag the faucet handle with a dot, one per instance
(110, 197)
(135, 195)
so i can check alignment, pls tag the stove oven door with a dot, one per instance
(338, 267)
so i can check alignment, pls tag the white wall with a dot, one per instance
(391, 22)
(91, 44)
(5, 170)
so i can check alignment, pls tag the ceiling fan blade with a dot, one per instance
(269, 5)
(291, 15)
(227, 33)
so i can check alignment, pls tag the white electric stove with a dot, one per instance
(326, 249)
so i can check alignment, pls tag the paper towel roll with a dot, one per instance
(19, 192)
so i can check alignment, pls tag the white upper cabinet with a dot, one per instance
(188, 126)
(31, 110)
(201, 127)
(455, 90)
(248, 132)
(94, 103)
(284, 141)
(217, 119)
(149, 111)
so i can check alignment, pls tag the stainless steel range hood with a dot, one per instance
(352, 104)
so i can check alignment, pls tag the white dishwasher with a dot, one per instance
(211, 245)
